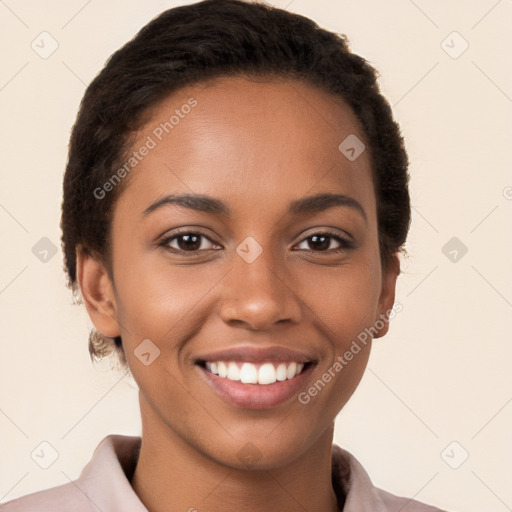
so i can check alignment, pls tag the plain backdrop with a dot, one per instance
(432, 416)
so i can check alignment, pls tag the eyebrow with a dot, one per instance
(208, 204)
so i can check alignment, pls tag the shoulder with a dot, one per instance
(359, 493)
(102, 484)
(56, 499)
(392, 502)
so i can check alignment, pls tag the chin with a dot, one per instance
(264, 452)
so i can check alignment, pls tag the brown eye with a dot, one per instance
(190, 242)
(321, 242)
(187, 242)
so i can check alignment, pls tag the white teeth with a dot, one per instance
(233, 372)
(291, 370)
(267, 374)
(223, 371)
(281, 372)
(249, 373)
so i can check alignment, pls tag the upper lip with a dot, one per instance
(258, 354)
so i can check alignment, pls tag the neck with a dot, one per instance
(171, 476)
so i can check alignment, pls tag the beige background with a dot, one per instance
(442, 374)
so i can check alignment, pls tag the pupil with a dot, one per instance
(322, 245)
(191, 242)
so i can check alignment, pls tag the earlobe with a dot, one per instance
(387, 296)
(97, 292)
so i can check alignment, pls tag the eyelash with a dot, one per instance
(344, 242)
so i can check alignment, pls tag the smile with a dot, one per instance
(256, 377)
(250, 373)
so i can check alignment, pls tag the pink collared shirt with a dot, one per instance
(103, 485)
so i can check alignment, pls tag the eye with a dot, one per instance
(322, 241)
(190, 242)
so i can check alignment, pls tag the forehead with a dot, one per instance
(253, 142)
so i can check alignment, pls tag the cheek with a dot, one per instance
(345, 300)
(344, 309)
(160, 302)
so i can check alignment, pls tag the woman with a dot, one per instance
(235, 201)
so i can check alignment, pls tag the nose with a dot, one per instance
(259, 294)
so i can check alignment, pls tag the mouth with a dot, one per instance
(256, 378)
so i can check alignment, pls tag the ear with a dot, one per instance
(98, 293)
(387, 295)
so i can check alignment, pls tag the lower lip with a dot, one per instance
(256, 396)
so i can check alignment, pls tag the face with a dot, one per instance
(235, 305)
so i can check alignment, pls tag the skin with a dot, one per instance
(257, 146)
